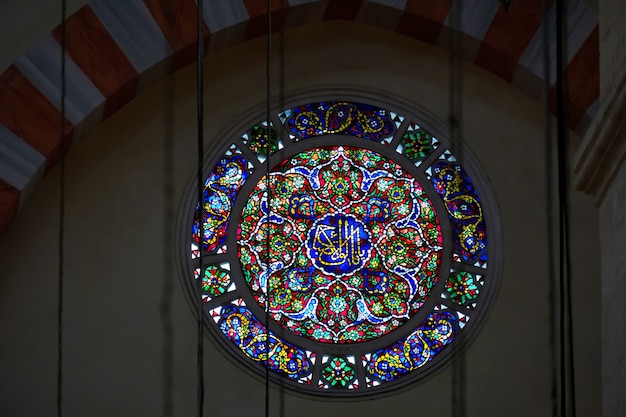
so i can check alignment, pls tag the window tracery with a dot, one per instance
(369, 253)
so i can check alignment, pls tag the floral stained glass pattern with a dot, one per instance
(355, 245)
(260, 138)
(413, 351)
(417, 144)
(215, 281)
(464, 208)
(339, 372)
(220, 190)
(462, 287)
(355, 119)
(242, 328)
(331, 266)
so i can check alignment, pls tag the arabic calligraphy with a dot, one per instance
(339, 244)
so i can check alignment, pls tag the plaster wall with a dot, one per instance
(613, 218)
(612, 16)
(613, 238)
(129, 334)
(25, 23)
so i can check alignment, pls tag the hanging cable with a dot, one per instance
(455, 114)
(279, 101)
(551, 271)
(200, 151)
(455, 117)
(61, 220)
(268, 97)
(167, 288)
(568, 401)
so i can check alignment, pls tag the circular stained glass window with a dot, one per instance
(342, 246)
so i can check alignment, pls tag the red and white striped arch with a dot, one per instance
(116, 48)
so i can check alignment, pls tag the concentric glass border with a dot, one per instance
(470, 255)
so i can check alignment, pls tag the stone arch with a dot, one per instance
(114, 50)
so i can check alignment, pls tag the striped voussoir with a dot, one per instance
(114, 49)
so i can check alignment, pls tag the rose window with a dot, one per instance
(342, 246)
(354, 245)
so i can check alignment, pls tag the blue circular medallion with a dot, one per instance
(339, 244)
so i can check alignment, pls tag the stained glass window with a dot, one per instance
(343, 246)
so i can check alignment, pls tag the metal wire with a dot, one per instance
(200, 178)
(455, 116)
(167, 288)
(549, 194)
(268, 97)
(61, 271)
(568, 401)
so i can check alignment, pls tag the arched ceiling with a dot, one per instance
(117, 48)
